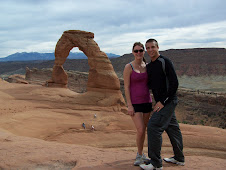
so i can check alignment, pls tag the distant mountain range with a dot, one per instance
(24, 56)
(189, 62)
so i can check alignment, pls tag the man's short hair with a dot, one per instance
(152, 40)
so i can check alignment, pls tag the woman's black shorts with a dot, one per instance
(143, 107)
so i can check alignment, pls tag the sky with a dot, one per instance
(37, 25)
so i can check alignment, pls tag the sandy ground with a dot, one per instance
(41, 128)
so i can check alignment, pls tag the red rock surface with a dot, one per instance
(40, 128)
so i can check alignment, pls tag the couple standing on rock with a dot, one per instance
(159, 75)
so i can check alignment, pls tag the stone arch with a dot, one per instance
(102, 78)
(101, 72)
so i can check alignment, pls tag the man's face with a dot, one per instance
(152, 50)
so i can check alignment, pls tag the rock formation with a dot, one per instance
(17, 78)
(77, 81)
(103, 85)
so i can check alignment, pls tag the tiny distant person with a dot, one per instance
(138, 98)
(163, 82)
(83, 125)
(92, 128)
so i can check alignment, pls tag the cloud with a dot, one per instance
(29, 25)
(172, 38)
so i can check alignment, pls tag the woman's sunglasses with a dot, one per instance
(136, 51)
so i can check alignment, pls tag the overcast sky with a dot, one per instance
(37, 25)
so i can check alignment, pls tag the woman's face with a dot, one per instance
(138, 52)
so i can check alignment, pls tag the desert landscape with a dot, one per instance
(52, 119)
(41, 128)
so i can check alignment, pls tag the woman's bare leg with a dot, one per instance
(140, 121)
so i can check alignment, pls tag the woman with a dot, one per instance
(138, 98)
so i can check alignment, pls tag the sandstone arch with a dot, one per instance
(103, 85)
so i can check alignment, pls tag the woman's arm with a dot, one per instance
(126, 75)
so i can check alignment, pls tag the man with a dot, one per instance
(163, 82)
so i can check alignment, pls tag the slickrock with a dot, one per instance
(41, 128)
(17, 78)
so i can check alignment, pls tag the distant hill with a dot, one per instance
(190, 62)
(24, 56)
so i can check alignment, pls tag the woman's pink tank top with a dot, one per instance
(139, 92)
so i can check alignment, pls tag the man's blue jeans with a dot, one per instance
(166, 120)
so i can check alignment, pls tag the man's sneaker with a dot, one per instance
(174, 161)
(140, 159)
(149, 167)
